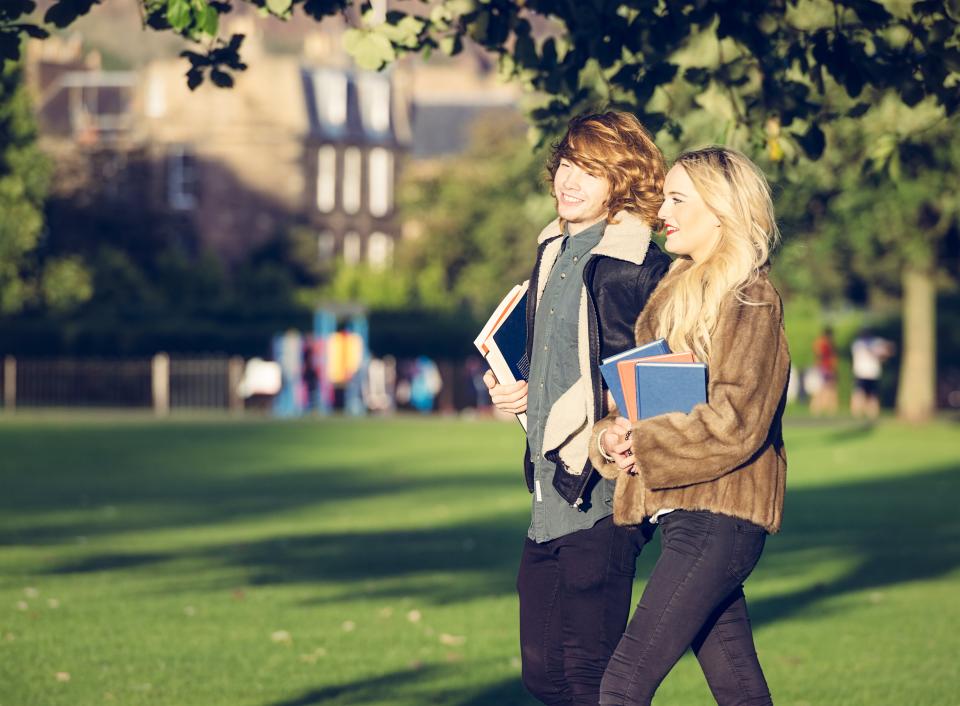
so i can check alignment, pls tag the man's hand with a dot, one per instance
(507, 398)
(617, 444)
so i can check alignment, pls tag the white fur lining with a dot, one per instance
(570, 421)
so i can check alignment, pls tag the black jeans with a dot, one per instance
(574, 602)
(694, 598)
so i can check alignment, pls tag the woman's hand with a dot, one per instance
(511, 399)
(616, 444)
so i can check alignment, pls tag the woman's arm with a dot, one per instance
(748, 374)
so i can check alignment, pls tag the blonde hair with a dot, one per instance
(737, 193)
(614, 145)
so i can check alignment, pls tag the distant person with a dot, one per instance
(713, 479)
(868, 352)
(425, 384)
(596, 265)
(824, 400)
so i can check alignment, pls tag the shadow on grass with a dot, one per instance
(95, 483)
(892, 530)
(414, 686)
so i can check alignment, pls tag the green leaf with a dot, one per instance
(208, 21)
(405, 33)
(451, 45)
(178, 14)
(280, 8)
(369, 49)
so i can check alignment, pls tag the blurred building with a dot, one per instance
(302, 140)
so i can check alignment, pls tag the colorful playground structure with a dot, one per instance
(316, 366)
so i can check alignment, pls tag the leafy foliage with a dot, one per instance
(771, 59)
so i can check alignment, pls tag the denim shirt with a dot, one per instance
(554, 367)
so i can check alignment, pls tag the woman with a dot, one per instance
(713, 479)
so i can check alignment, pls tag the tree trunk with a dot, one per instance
(916, 392)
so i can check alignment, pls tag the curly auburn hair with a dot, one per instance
(615, 146)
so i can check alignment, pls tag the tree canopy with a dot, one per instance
(771, 58)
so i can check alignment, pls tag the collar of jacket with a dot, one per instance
(626, 237)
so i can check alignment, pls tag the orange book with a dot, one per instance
(628, 378)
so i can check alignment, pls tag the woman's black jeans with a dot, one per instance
(574, 603)
(694, 598)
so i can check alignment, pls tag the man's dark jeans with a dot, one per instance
(574, 602)
(694, 598)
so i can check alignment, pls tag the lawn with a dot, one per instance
(215, 562)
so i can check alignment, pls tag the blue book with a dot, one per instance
(670, 387)
(608, 368)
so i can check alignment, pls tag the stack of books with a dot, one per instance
(650, 380)
(503, 340)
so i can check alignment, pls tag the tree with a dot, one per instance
(23, 182)
(883, 203)
(25, 278)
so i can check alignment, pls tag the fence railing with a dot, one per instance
(161, 383)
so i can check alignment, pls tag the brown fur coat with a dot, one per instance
(726, 456)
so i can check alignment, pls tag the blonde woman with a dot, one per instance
(712, 479)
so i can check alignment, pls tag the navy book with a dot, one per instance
(511, 339)
(670, 387)
(608, 368)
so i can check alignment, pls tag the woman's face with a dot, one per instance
(692, 228)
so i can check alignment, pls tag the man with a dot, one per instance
(595, 269)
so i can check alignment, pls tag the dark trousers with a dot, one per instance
(694, 598)
(574, 602)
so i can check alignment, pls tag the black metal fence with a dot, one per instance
(161, 383)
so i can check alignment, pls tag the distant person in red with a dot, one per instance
(824, 399)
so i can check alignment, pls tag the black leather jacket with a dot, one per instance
(617, 291)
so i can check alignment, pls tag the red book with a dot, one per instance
(628, 377)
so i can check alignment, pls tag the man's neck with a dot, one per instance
(580, 226)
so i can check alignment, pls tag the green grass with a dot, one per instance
(209, 562)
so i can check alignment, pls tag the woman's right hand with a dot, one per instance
(617, 445)
(511, 398)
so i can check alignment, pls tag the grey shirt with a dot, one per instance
(554, 368)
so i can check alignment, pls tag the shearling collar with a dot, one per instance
(627, 238)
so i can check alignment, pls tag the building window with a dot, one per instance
(330, 98)
(326, 178)
(351, 248)
(352, 166)
(326, 245)
(379, 250)
(181, 179)
(374, 96)
(381, 181)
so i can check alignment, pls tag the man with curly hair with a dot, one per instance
(595, 268)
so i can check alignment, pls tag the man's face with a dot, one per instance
(581, 197)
